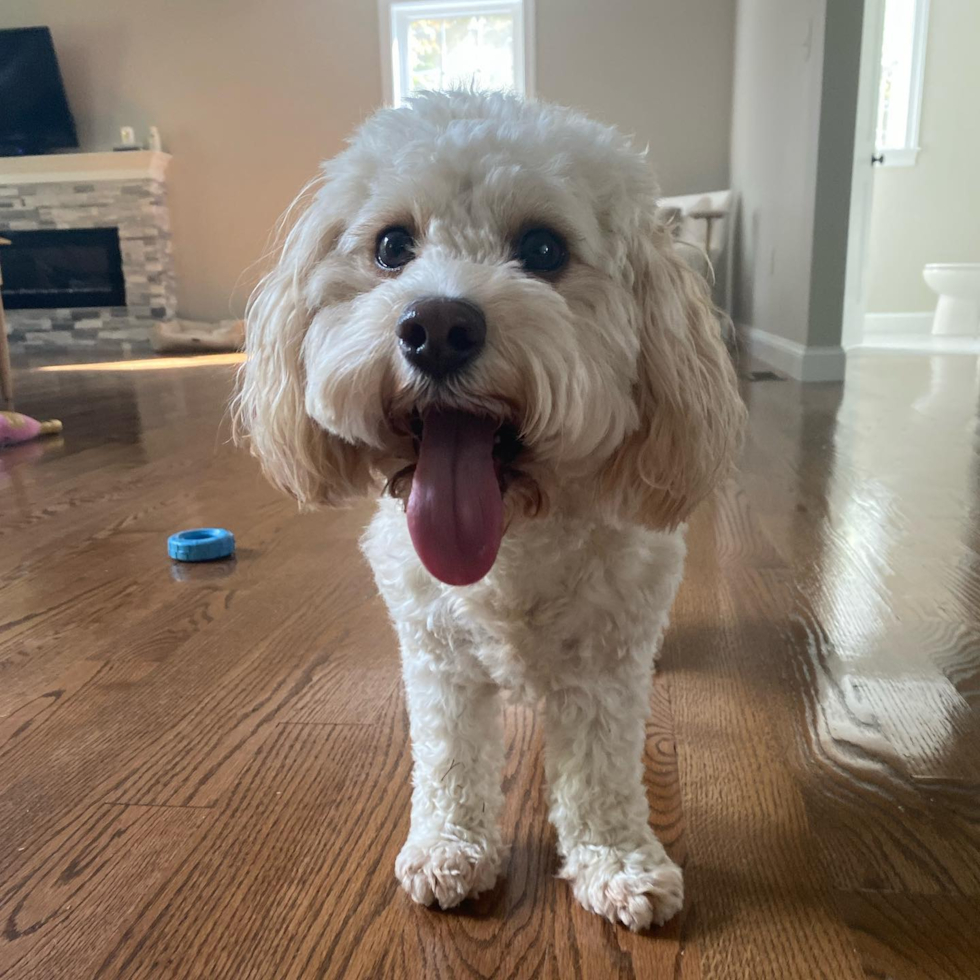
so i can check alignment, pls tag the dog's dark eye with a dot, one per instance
(395, 248)
(541, 250)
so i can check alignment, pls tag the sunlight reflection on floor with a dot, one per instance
(152, 363)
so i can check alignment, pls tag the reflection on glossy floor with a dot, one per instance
(204, 771)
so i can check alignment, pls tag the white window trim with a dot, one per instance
(899, 156)
(388, 11)
(906, 156)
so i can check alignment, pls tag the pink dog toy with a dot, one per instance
(15, 427)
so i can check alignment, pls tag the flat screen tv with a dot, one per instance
(34, 113)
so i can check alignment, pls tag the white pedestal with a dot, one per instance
(956, 317)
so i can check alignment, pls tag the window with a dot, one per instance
(903, 57)
(442, 45)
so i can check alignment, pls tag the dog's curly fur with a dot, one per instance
(616, 379)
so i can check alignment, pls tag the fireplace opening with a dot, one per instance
(62, 268)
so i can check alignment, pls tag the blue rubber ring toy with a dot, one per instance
(201, 544)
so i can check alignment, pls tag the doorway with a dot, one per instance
(915, 199)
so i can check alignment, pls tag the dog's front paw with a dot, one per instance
(638, 888)
(447, 870)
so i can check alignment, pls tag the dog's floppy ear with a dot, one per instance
(297, 455)
(691, 415)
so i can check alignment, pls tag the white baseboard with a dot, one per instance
(792, 358)
(897, 324)
(911, 332)
(929, 344)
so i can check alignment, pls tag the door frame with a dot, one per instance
(862, 181)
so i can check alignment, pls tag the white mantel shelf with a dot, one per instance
(52, 168)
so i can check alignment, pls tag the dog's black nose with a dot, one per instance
(439, 335)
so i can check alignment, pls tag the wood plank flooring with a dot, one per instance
(204, 771)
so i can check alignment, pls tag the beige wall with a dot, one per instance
(661, 69)
(775, 120)
(931, 212)
(250, 95)
(796, 72)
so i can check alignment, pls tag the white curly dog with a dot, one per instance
(478, 317)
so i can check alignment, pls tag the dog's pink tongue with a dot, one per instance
(455, 511)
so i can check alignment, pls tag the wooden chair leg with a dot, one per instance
(6, 374)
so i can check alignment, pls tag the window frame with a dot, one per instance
(394, 15)
(906, 155)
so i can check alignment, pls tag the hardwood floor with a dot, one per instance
(204, 770)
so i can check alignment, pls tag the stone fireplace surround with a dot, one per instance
(95, 190)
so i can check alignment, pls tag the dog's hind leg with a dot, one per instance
(454, 848)
(595, 734)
